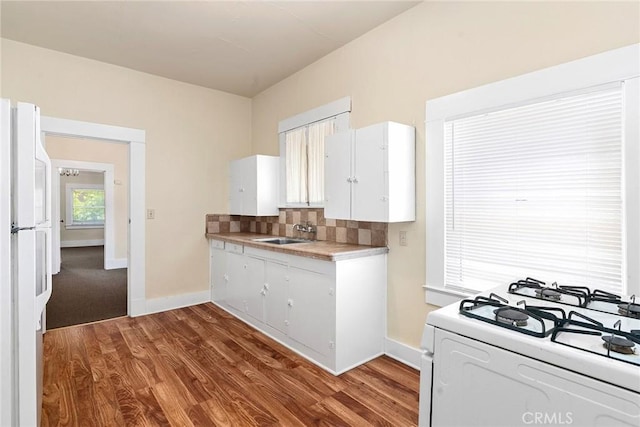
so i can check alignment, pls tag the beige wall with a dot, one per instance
(99, 152)
(432, 50)
(191, 135)
(66, 235)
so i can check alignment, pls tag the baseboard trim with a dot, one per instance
(81, 243)
(403, 353)
(113, 263)
(157, 305)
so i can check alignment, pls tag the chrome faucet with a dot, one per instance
(305, 227)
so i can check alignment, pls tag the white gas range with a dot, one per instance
(532, 354)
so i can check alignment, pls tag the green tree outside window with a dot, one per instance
(88, 206)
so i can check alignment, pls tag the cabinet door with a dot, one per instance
(369, 196)
(218, 275)
(252, 288)
(276, 293)
(312, 310)
(337, 175)
(235, 187)
(249, 186)
(237, 269)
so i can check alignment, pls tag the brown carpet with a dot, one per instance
(83, 291)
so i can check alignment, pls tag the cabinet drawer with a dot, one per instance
(266, 254)
(216, 244)
(234, 248)
(315, 265)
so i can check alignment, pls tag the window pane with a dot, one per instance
(536, 191)
(88, 206)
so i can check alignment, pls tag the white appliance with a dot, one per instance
(532, 354)
(25, 249)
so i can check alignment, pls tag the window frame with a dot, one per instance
(608, 67)
(340, 110)
(69, 189)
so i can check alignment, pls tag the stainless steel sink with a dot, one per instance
(281, 240)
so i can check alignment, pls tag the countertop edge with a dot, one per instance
(303, 249)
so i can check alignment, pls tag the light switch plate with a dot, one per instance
(403, 238)
(151, 213)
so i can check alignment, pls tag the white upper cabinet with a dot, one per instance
(370, 174)
(253, 186)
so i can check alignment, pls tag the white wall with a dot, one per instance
(434, 49)
(191, 135)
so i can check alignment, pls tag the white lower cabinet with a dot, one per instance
(252, 291)
(331, 312)
(276, 293)
(236, 280)
(218, 275)
(311, 310)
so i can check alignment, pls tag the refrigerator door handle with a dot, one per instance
(43, 298)
(42, 156)
(41, 302)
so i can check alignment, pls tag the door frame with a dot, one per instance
(109, 216)
(135, 140)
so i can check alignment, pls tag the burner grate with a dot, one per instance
(532, 320)
(617, 344)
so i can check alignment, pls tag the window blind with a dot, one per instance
(536, 191)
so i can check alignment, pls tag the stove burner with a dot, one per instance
(511, 316)
(549, 294)
(618, 344)
(629, 310)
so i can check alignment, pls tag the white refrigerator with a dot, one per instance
(25, 261)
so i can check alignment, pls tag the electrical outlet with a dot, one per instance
(151, 213)
(403, 238)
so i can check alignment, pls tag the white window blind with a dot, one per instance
(536, 191)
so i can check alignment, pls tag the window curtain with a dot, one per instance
(317, 134)
(296, 165)
(536, 191)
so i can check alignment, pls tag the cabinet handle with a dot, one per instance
(332, 345)
(355, 179)
(241, 190)
(225, 277)
(263, 292)
(349, 179)
(266, 286)
(384, 198)
(290, 303)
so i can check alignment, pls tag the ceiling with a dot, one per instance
(241, 47)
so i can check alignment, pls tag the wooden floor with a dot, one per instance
(200, 366)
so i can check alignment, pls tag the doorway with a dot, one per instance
(90, 226)
(134, 139)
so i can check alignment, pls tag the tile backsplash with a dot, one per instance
(334, 230)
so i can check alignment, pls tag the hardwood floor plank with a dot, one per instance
(387, 408)
(152, 409)
(387, 386)
(199, 366)
(130, 407)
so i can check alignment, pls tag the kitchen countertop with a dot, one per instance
(318, 249)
